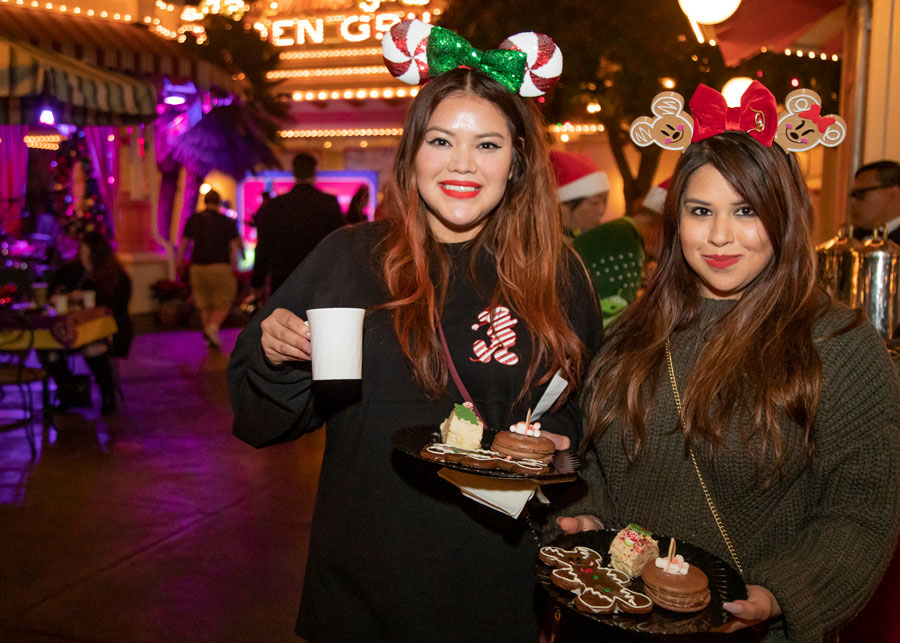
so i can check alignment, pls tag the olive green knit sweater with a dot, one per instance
(821, 536)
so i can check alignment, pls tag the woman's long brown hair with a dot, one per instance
(523, 234)
(761, 363)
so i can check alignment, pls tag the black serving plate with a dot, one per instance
(411, 440)
(725, 585)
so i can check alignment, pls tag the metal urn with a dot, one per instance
(839, 263)
(879, 282)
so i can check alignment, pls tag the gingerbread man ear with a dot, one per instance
(801, 125)
(671, 128)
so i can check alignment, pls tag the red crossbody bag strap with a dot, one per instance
(453, 373)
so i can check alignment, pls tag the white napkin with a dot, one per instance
(506, 495)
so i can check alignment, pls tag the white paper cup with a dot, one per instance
(61, 303)
(336, 336)
(88, 298)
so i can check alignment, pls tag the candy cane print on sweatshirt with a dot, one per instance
(500, 331)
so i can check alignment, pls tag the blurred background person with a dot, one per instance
(96, 269)
(356, 211)
(289, 226)
(211, 240)
(614, 256)
(583, 190)
(612, 252)
(875, 199)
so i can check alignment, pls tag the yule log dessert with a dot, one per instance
(676, 585)
(632, 549)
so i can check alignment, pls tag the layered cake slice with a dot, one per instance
(632, 548)
(462, 429)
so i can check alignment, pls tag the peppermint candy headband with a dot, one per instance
(799, 127)
(527, 64)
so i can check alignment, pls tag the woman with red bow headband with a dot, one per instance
(467, 286)
(736, 405)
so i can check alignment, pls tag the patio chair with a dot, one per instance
(15, 373)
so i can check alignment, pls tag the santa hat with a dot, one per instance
(656, 197)
(577, 176)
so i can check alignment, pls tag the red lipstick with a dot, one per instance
(460, 189)
(721, 261)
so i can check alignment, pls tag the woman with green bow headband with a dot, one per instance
(470, 291)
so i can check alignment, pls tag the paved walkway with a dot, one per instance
(157, 525)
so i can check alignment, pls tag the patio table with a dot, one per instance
(53, 331)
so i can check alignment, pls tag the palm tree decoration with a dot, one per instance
(237, 138)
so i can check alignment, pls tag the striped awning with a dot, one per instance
(32, 80)
(126, 48)
(809, 25)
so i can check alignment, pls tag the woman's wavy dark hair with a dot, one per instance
(762, 361)
(524, 235)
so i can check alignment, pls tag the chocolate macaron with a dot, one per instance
(676, 590)
(516, 445)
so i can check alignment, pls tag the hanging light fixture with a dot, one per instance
(709, 12)
(734, 89)
(47, 117)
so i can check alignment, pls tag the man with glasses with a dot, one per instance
(875, 199)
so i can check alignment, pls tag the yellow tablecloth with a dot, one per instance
(60, 332)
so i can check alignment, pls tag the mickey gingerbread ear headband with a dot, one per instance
(798, 128)
(527, 64)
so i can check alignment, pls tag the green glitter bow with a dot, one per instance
(448, 50)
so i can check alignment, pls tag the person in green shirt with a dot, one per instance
(613, 251)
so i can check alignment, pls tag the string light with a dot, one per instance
(563, 128)
(42, 142)
(68, 9)
(340, 133)
(330, 53)
(358, 93)
(370, 70)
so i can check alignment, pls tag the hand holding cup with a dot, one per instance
(285, 338)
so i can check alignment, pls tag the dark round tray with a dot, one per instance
(725, 585)
(411, 440)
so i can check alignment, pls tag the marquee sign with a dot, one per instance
(368, 25)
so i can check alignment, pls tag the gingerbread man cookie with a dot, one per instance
(671, 128)
(801, 125)
(600, 590)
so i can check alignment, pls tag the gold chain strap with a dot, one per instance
(709, 500)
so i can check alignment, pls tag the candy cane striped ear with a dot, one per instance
(544, 61)
(403, 48)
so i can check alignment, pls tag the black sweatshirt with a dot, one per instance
(396, 553)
